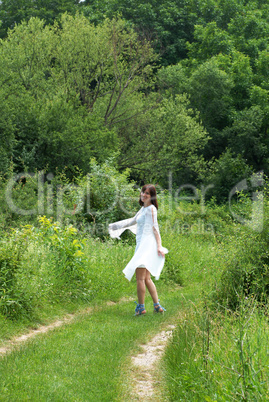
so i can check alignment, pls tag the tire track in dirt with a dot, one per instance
(11, 344)
(144, 371)
(16, 341)
(144, 366)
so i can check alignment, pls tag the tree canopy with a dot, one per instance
(170, 86)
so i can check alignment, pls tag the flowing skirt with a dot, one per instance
(146, 256)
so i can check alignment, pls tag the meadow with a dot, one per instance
(214, 286)
(97, 99)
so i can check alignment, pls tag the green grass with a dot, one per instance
(216, 358)
(86, 360)
(51, 298)
(82, 361)
(215, 354)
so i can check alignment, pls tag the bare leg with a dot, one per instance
(143, 280)
(140, 284)
(151, 287)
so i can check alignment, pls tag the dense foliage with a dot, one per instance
(99, 97)
(178, 87)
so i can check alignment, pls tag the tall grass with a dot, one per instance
(219, 350)
(216, 357)
(46, 270)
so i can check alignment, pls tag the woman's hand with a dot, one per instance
(160, 251)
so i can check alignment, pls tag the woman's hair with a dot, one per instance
(153, 194)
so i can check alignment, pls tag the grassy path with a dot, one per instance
(84, 360)
(146, 379)
(89, 358)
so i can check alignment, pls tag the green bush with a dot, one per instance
(244, 259)
(245, 263)
(67, 257)
(89, 202)
(225, 173)
(13, 301)
(42, 264)
(103, 196)
(19, 203)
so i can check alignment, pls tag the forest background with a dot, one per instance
(171, 86)
(100, 97)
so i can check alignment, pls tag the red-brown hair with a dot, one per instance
(153, 194)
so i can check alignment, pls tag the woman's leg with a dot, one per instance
(151, 287)
(140, 284)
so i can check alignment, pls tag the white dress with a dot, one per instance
(146, 254)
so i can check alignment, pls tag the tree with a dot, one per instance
(7, 128)
(168, 140)
(238, 67)
(173, 79)
(70, 86)
(209, 41)
(210, 93)
(168, 24)
(220, 11)
(262, 69)
(250, 31)
(247, 137)
(13, 12)
(103, 65)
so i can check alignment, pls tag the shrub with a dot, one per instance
(245, 269)
(67, 259)
(89, 202)
(13, 301)
(225, 173)
(99, 198)
(41, 263)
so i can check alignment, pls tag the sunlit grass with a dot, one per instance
(213, 356)
(82, 361)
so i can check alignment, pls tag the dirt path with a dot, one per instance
(144, 374)
(11, 344)
(144, 371)
(16, 341)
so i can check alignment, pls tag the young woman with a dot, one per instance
(149, 253)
